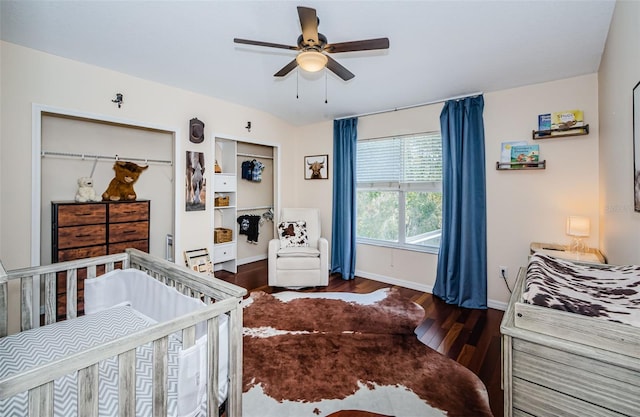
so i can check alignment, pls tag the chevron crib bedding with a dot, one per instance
(34, 347)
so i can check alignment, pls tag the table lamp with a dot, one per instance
(578, 227)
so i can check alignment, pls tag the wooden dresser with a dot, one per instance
(83, 230)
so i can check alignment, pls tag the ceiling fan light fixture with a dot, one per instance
(311, 61)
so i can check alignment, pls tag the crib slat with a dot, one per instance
(188, 337)
(91, 271)
(4, 306)
(50, 298)
(127, 384)
(26, 303)
(72, 293)
(235, 362)
(213, 360)
(160, 348)
(41, 401)
(88, 391)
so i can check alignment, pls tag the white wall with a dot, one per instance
(619, 73)
(532, 206)
(29, 76)
(522, 206)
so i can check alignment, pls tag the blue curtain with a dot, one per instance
(462, 262)
(343, 231)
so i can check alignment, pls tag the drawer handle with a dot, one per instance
(85, 235)
(128, 232)
(85, 214)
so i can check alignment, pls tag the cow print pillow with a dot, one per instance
(293, 234)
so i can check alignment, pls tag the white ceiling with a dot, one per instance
(438, 49)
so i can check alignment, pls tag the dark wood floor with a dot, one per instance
(471, 337)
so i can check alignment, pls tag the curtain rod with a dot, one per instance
(413, 105)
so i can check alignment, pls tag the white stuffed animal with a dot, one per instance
(85, 190)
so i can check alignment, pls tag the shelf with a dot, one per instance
(225, 188)
(519, 166)
(560, 133)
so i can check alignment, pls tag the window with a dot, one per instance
(399, 191)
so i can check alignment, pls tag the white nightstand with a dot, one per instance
(590, 256)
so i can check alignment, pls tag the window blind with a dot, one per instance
(406, 162)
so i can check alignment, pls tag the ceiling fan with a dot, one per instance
(313, 47)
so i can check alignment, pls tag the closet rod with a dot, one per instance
(248, 155)
(112, 158)
(255, 208)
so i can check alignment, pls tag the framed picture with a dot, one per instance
(636, 146)
(195, 185)
(316, 167)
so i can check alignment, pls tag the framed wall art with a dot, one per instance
(195, 186)
(316, 167)
(636, 146)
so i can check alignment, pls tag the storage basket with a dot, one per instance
(221, 201)
(222, 235)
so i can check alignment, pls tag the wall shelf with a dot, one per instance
(560, 133)
(519, 166)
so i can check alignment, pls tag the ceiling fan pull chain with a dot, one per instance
(297, 81)
(325, 86)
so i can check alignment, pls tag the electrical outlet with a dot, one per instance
(504, 272)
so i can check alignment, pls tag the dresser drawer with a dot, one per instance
(142, 245)
(128, 212)
(77, 236)
(224, 183)
(81, 253)
(124, 232)
(80, 214)
(611, 387)
(224, 252)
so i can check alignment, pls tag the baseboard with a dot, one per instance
(498, 305)
(396, 281)
(252, 259)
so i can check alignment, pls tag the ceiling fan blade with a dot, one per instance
(339, 70)
(260, 43)
(286, 69)
(365, 45)
(309, 24)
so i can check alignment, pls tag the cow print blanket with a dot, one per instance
(609, 292)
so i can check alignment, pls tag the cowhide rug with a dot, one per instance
(343, 354)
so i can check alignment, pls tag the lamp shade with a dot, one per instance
(578, 226)
(311, 61)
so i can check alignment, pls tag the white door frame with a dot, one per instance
(36, 169)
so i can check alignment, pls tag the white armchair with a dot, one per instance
(299, 256)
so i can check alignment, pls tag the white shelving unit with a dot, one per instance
(225, 185)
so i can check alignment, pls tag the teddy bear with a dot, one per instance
(121, 187)
(85, 190)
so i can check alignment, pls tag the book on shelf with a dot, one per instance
(505, 150)
(565, 120)
(544, 122)
(525, 155)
